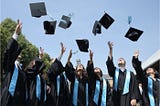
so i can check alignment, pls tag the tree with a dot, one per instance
(29, 51)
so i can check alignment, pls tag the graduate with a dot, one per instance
(79, 83)
(150, 84)
(125, 86)
(59, 95)
(36, 84)
(99, 88)
(13, 85)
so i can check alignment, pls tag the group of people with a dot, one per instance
(75, 86)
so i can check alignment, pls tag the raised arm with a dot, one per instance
(13, 49)
(69, 69)
(137, 66)
(63, 49)
(110, 65)
(90, 66)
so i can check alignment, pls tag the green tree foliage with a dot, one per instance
(29, 51)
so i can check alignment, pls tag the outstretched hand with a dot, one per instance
(63, 49)
(136, 54)
(110, 44)
(70, 55)
(91, 55)
(18, 27)
(41, 52)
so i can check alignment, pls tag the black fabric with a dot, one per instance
(63, 99)
(70, 73)
(144, 80)
(119, 99)
(92, 84)
(11, 54)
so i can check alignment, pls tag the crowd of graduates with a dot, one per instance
(75, 86)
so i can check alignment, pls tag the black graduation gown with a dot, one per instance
(144, 80)
(31, 74)
(11, 54)
(32, 100)
(92, 85)
(119, 99)
(70, 73)
(56, 69)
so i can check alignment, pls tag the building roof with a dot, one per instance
(153, 61)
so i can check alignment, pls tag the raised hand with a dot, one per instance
(70, 55)
(41, 52)
(110, 44)
(63, 49)
(90, 55)
(18, 27)
(136, 54)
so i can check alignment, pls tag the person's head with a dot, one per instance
(36, 65)
(121, 62)
(150, 71)
(98, 72)
(79, 69)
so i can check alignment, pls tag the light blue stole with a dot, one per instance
(150, 91)
(159, 90)
(58, 84)
(104, 92)
(13, 82)
(38, 87)
(45, 94)
(75, 92)
(127, 81)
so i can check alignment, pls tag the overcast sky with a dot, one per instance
(145, 16)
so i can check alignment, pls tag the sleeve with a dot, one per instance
(134, 87)
(137, 66)
(11, 53)
(55, 69)
(110, 66)
(109, 94)
(90, 70)
(70, 72)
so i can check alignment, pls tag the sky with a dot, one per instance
(145, 16)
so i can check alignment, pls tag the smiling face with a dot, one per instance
(121, 62)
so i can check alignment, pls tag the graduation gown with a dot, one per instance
(18, 99)
(59, 95)
(81, 97)
(92, 86)
(32, 99)
(144, 80)
(118, 98)
(32, 74)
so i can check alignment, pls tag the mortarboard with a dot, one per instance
(106, 20)
(65, 22)
(96, 28)
(133, 34)
(83, 44)
(38, 9)
(49, 27)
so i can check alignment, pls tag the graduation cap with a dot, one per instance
(133, 34)
(65, 22)
(106, 20)
(49, 27)
(38, 9)
(83, 45)
(96, 28)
